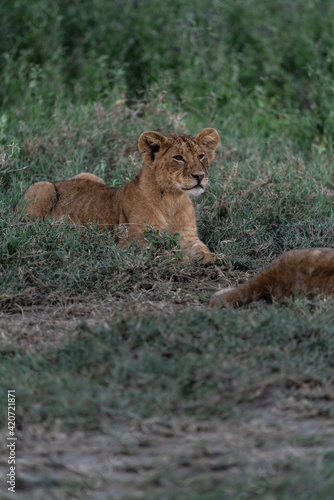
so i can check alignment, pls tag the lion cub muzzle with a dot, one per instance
(199, 187)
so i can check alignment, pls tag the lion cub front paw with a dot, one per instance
(206, 257)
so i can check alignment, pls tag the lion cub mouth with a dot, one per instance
(194, 190)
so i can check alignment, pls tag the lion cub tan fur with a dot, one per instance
(175, 168)
(308, 271)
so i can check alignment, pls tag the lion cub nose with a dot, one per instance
(198, 177)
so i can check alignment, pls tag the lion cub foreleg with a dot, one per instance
(191, 246)
(262, 286)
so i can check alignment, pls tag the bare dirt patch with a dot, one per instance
(39, 327)
(137, 458)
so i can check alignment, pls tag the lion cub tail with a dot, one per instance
(38, 200)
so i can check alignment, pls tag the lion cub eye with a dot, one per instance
(178, 158)
(201, 157)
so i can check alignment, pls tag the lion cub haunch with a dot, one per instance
(175, 168)
(308, 271)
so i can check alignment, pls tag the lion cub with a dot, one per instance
(309, 271)
(175, 169)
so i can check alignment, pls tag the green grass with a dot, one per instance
(193, 363)
(263, 199)
(252, 67)
(80, 81)
(196, 364)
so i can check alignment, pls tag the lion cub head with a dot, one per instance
(179, 162)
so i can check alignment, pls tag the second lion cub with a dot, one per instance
(175, 169)
(308, 271)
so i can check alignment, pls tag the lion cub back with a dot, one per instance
(83, 198)
(84, 201)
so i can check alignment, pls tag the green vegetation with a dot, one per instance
(114, 364)
(120, 342)
(249, 66)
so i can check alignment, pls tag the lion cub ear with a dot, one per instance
(150, 143)
(208, 138)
